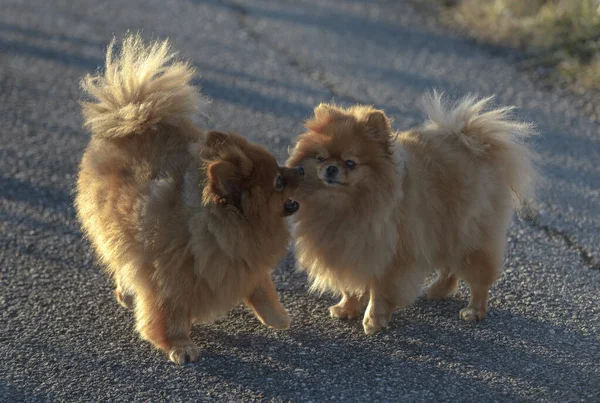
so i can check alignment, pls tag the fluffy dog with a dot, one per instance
(187, 223)
(380, 209)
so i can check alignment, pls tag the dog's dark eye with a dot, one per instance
(320, 159)
(350, 164)
(279, 183)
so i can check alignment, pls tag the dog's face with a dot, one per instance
(345, 150)
(245, 178)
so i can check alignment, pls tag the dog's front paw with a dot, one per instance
(373, 324)
(344, 311)
(280, 321)
(184, 354)
(471, 314)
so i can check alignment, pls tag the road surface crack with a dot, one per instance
(584, 254)
(294, 61)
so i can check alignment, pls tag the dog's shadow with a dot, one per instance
(427, 353)
(426, 348)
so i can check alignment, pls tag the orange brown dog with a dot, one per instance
(382, 209)
(187, 223)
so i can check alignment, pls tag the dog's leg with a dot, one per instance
(126, 300)
(480, 269)
(380, 308)
(445, 285)
(166, 328)
(266, 306)
(478, 304)
(397, 289)
(123, 297)
(349, 306)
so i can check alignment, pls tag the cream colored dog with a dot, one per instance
(381, 209)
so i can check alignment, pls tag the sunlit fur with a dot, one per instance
(187, 223)
(440, 196)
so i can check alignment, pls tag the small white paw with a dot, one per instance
(184, 354)
(343, 312)
(373, 324)
(471, 314)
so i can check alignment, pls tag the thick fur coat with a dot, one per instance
(382, 209)
(187, 223)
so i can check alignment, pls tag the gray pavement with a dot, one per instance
(265, 64)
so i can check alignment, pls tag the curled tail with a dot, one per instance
(488, 132)
(141, 87)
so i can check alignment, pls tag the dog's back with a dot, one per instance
(139, 117)
(473, 168)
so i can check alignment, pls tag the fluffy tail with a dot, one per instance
(141, 87)
(486, 131)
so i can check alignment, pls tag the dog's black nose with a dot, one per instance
(290, 207)
(332, 170)
(300, 171)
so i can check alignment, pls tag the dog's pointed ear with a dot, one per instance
(226, 183)
(326, 111)
(378, 122)
(379, 128)
(324, 114)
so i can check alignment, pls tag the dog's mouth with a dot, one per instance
(333, 182)
(290, 207)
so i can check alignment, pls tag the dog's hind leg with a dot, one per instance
(123, 298)
(445, 285)
(480, 269)
(122, 295)
(350, 306)
(166, 326)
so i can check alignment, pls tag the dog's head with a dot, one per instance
(245, 178)
(346, 151)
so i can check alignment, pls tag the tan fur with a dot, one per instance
(436, 197)
(188, 224)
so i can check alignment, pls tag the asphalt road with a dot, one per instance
(265, 64)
